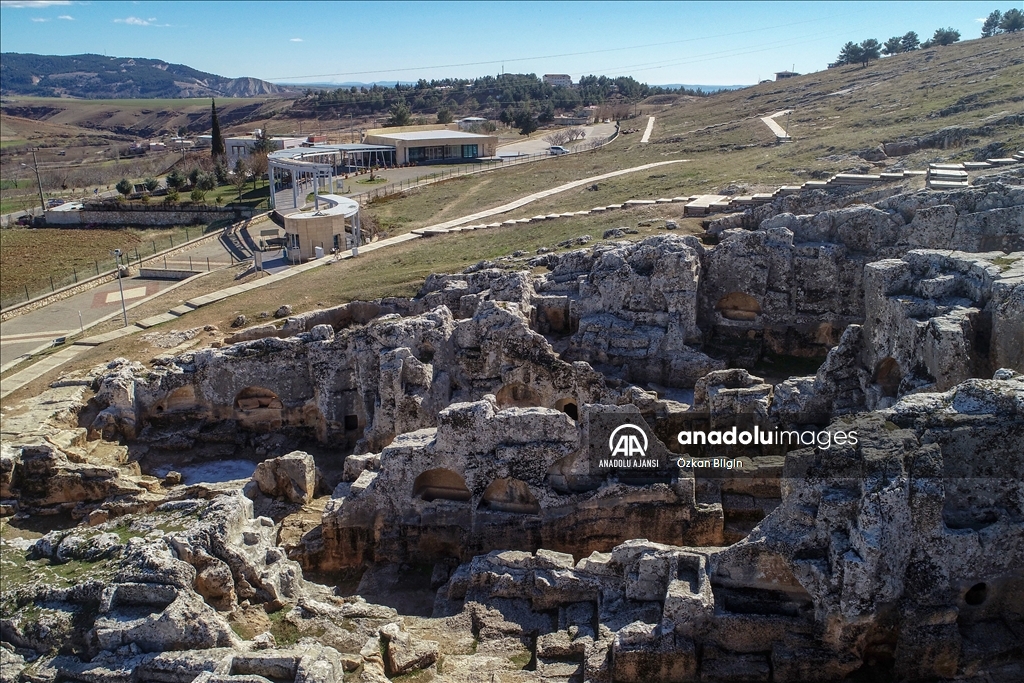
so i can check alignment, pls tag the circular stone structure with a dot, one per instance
(332, 224)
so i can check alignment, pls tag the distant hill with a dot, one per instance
(704, 88)
(347, 84)
(98, 77)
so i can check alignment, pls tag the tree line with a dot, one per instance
(483, 95)
(206, 174)
(861, 53)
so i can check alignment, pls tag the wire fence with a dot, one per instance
(481, 166)
(131, 256)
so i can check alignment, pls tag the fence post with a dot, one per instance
(165, 263)
(186, 234)
(137, 257)
(207, 264)
(52, 288)
(27, 297)
(172, 241)
(75, 271)
(190, 263)
(97, 264)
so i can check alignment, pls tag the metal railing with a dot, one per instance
(132, 256)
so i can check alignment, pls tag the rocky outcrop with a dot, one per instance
(164, 603)
(878, 562)
(292, 477)
(502, 478)
(935, 319)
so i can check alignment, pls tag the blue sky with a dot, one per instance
(695, 42)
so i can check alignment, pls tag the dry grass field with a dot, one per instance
(30, 256)
(836, 114)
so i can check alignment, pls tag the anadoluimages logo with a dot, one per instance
(625, 442)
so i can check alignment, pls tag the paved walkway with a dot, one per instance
(26, 375)
(647, 133)
(779, 131)
(34, 331)
(511, 206)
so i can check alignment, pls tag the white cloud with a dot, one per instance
(980, 20)
(296, 40)
(66, 17)
(32, 4)
(39, 20)
(136, 21)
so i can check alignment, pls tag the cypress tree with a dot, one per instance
(217, 142)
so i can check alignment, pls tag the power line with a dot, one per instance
(557, 56)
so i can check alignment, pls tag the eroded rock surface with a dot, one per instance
(469, 430)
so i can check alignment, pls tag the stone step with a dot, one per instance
(947, 184)
(1003, 161)
(976, 165)
(855, 179)
(700, 205)
(946, 174)
(946, 167)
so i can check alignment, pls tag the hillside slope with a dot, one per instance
(954, 103)
(96, 77)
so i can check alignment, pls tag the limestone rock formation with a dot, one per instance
(509, 446)
(892, 520)
(292, 476)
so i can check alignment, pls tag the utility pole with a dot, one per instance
(116, 253)
(39, 184)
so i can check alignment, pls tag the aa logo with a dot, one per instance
(628, 441)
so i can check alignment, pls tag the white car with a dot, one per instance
(556, 149)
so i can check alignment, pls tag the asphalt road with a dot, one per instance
(539, 145)
(29, 331)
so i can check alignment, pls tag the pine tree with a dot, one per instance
(852, 53)
(1012, 21)
(869, 49)
(217, 143)
(893, 46)
(991, 25)
(910, 41)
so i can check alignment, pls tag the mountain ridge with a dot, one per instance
(92, 76)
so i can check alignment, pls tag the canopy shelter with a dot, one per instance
(312, 169)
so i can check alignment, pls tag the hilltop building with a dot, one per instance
(564, 80)
(241, 146)
(422, 146)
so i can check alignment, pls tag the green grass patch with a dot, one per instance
(284, 631)
(1004, 263)
(521, 660)
(17, 572)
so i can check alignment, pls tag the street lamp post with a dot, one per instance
(116, 253)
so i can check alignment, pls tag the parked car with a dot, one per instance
(50, 203)
(24, 220)
(557, 149)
